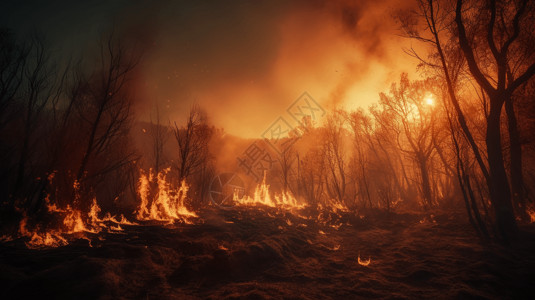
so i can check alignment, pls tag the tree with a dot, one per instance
(159, 135)
(413, 119)
(487, 39)
(192, 139)
(104, 105)
(29, 83)
(286, 159)
(358, 122)
(335, 156)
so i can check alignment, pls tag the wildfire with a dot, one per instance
(160, 201)
(167, 204)
(262, 196)
(73, 222)
(51, 238)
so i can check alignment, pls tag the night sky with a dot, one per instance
(245, 62)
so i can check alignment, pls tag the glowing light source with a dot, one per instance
(429, 100)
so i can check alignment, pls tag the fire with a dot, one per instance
(262, 196)
(364, 262)
(72, 222)
(531, 213)
(52, 238)
(161, 201)
(168, 203)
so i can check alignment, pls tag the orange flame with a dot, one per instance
(364, 262)
(531, 213)
(73, 221)
(168, 204)
(262, 196)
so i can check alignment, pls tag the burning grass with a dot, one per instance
(163, 202)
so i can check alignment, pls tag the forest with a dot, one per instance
(104, 197)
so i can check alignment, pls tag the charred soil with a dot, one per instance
(262, 252)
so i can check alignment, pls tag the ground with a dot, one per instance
(258, 253)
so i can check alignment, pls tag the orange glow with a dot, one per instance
(168, 203)
(531, 213)
(73, 223)
(429, 100)
(262, 197)
(364, 262)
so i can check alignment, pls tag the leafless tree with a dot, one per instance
(159, 139)
(415, 120)
(335, 156)
(104, 104)
(286, 160)
(492, 62)
(192, 139)
(311, 176)
(358, 122)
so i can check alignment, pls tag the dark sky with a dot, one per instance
(245, 62)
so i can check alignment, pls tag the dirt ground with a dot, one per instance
(261, 253)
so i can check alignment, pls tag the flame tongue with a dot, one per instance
(161, 201)
(262, 197)
(168, 203)
(72, 221)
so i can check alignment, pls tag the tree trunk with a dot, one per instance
(426, 186)
(515, 168)
(499, 186)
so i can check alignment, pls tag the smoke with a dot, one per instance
(244, 62)
(247, 63)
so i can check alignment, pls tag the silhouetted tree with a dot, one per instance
(335, 156)
(492, 63)
(192, 142)
(413, 119)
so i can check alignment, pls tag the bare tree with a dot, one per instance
(492, 65)
(311, 176)
(286, 160)
(335, 156)
(159, 139)
(29, 83)
(414, 119)
(13, 60)
(192, 139)
(104, 104)
(358, 122)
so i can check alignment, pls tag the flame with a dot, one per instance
(50, 238)
(72, 222)
(333, 206)
(364, 262)
(168, 204)
(262, 196)
(531, 213)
